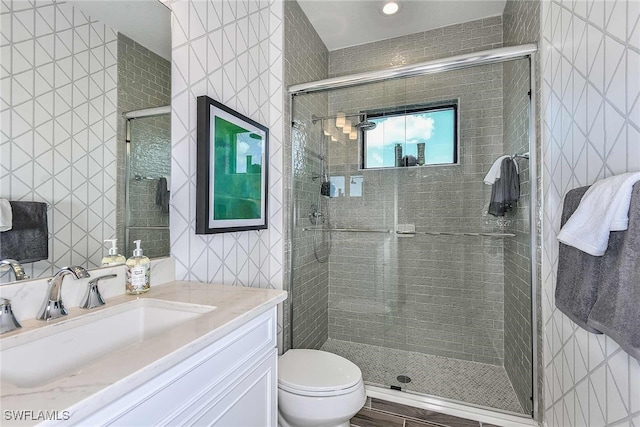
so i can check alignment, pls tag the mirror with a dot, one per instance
(70, 71)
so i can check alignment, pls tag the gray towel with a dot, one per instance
(578, 272)
(505, 192)
(162, 195)
(616, 311)
(28, 239)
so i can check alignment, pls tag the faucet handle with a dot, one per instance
(8, 321)
(53, 307)
(92, 297)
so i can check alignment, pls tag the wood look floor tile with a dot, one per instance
(422, 414)
(416, 423)
(369, 418)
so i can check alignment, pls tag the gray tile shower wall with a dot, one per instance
(439, 295)
(145, 213)
(144, 81)
(305, 59)
(521, 25)
(442, 42)
(149, 159)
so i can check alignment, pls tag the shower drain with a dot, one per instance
(403, 379)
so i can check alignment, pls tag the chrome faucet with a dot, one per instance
(92, 297)
(52, 308)
(18, 271)
(8, 321)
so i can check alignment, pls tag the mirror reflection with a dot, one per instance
(85, 123)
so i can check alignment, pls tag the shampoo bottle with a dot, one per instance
(138, 267)
(114, 258)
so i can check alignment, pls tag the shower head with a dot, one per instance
(366, 125)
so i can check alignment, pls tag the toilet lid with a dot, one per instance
(316, 371)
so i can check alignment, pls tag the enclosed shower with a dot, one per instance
(396, 263)
(147, 171)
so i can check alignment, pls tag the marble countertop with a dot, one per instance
(95, 385)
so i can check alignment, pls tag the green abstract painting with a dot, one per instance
(237, 173)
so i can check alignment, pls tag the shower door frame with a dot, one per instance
(485, 57)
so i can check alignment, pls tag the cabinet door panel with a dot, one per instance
(249, 399)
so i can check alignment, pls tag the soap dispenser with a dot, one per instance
(114, 258)
(138, 267)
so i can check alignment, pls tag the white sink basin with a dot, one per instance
(36, 357)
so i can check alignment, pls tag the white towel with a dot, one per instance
(494, 173)
(603, 208)
(6, 217)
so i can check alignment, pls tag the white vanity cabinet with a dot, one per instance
(231, 382)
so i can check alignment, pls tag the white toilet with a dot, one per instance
(318, 389)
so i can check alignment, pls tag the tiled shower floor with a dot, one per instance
(471, 382)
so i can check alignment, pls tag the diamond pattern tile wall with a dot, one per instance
(591, 130)
(58, 124)
(232, 52)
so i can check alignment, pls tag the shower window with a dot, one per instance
(411, 136)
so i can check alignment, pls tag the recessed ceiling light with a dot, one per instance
(390, 8)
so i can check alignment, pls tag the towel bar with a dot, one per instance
(149, 228)
(347, 230)
(411, 233)
(451, 233)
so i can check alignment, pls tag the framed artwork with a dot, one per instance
(232, 164)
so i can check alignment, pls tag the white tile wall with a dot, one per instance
(591, 130)
(58, 125)
(232, 52)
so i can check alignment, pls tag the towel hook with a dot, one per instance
(521, 156)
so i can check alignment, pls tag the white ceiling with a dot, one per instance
(148, 22)
(348, 23)
(339, 23)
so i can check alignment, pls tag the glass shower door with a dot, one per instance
(424, 290)
(148, 171)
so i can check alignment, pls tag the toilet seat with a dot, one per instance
(317, 373)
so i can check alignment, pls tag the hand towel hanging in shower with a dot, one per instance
(494, 172)
(162, 194)
(505, 191)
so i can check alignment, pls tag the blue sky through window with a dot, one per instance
(436, 128)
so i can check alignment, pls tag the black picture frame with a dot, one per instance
(231, 183)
